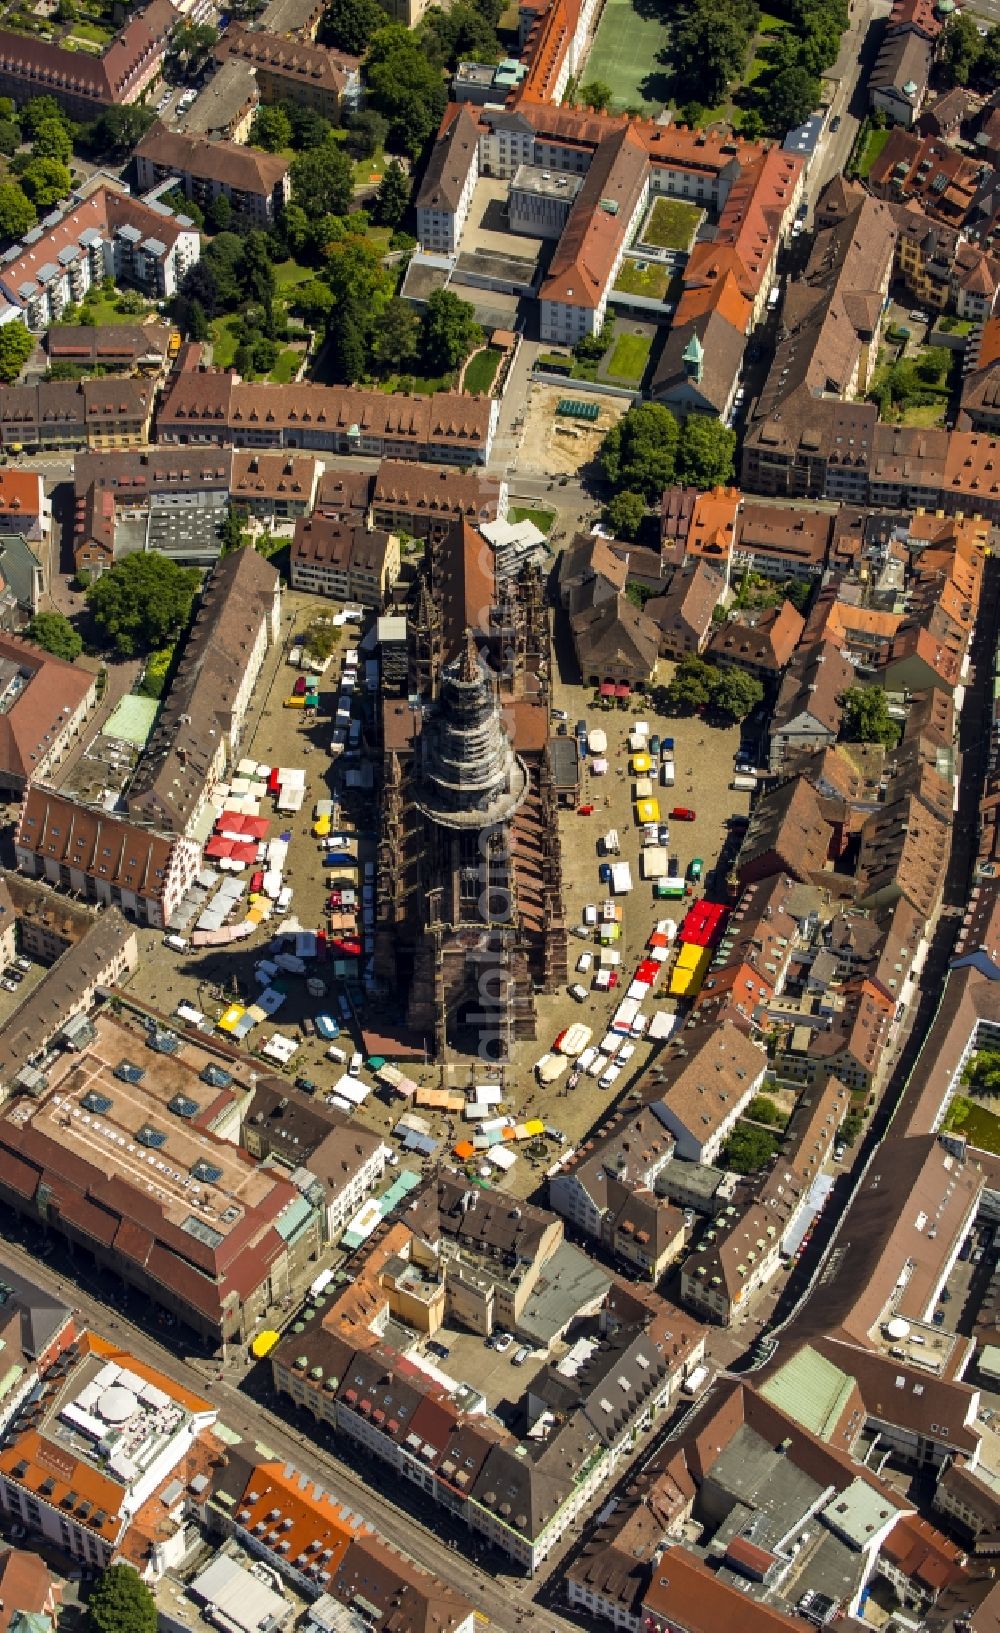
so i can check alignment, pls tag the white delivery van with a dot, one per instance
(178, 944)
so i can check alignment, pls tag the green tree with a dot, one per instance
(405, 87)
(792, 96)
(55, 634)
(271, 128)
(393, 195)
(46, 181)
(852, 1125)
(736, 693)
(748, 1149)
(222, 260)
(709, 44)
(309, 128)
(322, 180)
(52, 141)
(119, 130)
(351, 24)
(16, 346)
(314, 299)
(347, 340)
(218, 214)
(959, 49)
(458, 34)
(762, 1109)
(866, 716)
(395, 343)
(450, 332)
(366, 133)
(705, 452)
(142, 602)
(257, 280)
(626, 514)
(692, 685)
(36, 111)
(190, 47)
(232, 535)
(640, 451)
(595, 94)
(121, 1603)
(17, 213)
(799, 592)
(359, 281)
(752, 125)
(154, 677)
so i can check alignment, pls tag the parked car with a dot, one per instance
(578, 992)
(585, 810)
(306, 1084)
(604, 873)
(8, 985)
(673, 867)
(584, 963)
(327, 1027)
(520, 1356)
(502, 1341)
(610, 1077)
(625, 1053)
(559, 714)
(836, 121)
(440, 1350)
(663, 834)
(682, 813)
(654, 744)
(299, 689)
(308, 1026)
(23, 964)
(696, 869)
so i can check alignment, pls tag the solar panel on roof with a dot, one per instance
(153, 1138)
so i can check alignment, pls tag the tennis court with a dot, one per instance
(624, 56)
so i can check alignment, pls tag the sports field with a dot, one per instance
(624, 55)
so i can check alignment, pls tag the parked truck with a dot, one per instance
(746, 781)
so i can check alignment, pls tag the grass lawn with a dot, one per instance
(624, 55)
(647, 278)
(542, 519)
(224, 341)
(287, 366)
(926, 414)
(629, 358)
(671, 223)
(93, 33)
(874, 144)
(481, 372)
(104, 309)
(424, 385)
(289, 273)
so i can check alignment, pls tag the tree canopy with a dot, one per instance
(351, 24)
(142, 602)
(639, 452)
(393, 195)
(866, 716)
(709, 44)
(748, 1149)
(626, 513)
(16, 346)
(17, 213)
(271, 128)
(121, 1603)
(705, 452)
(698, 684)
(322, 180)
(54, 633)
(450, 331)
(405, 87)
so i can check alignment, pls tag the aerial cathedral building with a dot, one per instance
(470, 921)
